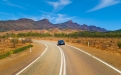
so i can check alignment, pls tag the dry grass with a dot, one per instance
(7, 46)
(51, 31)
(15, 62)
(104, 48)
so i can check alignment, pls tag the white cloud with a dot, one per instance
(12, 4)
(62, 18)
(105, 3)
(6, 14)
(53, 18)
(49, 17)
(60, 4)
(56, 18)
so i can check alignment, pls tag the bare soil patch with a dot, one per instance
(12, 64)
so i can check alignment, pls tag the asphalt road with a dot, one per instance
(66, 60)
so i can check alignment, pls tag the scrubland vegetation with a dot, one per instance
(15, 51)
(105, 45)
(99, 40)
(10, 44)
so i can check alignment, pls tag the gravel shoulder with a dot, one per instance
(12, 64)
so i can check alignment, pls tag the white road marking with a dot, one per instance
(117, 70)
(63, 62)
(33, 61)
(61, 66)
(63, 59)
(64, 73)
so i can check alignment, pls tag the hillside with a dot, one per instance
(28, 24)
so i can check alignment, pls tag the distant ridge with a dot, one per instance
(27, 24)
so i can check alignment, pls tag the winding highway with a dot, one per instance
(67, 60)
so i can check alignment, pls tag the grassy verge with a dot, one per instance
(22, 49)
(4, 55)
(15, 51)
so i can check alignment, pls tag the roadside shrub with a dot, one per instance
(67, 40)
(4, 55)
(15, 51)
(22, 49)
(78, 41)
(119, 44)
(75, 37)
(28, 40)
(104, 46)
(14, 41)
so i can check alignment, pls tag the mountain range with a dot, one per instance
(27, 24)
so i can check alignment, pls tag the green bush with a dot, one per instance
(22, 49)
(4, 55)
(15, 51)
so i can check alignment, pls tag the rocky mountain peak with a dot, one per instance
(44, 20)
(25, 20)
(69, 22)
(26, 24)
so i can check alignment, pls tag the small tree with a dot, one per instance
(14, 41)
(28, 40)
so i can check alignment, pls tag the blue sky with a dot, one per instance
(101, 13)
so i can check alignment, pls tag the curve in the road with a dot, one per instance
(70, 60)
(33, 61)
(62, 58)
(117, 70)
(63, 62)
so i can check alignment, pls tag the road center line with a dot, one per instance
(63, 62)
(33, 61)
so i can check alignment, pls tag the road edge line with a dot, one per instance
(33, 61)
(112, 67)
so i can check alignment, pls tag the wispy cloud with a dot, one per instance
(56, 18)
(49, 17)
(7, 2)
(62, 18)
(105, 3)
(6, 14)
(60, 4)
(53, 18)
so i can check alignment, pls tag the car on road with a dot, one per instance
(61, 42)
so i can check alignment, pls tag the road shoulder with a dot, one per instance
(15, 62)
(110, 57)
